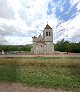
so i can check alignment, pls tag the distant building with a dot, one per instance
(44, 45)
(3, 52)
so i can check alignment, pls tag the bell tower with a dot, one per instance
(48, 34)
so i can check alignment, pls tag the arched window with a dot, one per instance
(46, 33)
(49, 34)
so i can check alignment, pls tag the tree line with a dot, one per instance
(15, 48)
(66, 46)
(62, 46)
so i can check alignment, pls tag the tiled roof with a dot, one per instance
(47, 27)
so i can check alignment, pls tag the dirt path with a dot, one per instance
(12, 87)
(54, 55)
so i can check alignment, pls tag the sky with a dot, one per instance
(20, 20)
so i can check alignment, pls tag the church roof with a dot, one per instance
(47, 27)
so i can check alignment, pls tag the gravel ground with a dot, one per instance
(52, 55)
(12, 87)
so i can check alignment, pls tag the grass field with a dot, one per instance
(53, 72)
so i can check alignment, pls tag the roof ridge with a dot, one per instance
(47, 26)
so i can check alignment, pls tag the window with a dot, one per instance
(46, 33)
(49, 33)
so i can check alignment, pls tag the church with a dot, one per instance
(43, 44)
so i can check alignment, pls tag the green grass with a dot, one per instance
(53, 72)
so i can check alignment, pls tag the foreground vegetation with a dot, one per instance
(53, 72)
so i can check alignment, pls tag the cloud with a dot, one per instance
(68, 28)
(5, 10)
(22, 19)
(15, 40)
(2, 40)
(63, 9)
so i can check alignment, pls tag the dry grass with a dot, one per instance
(41, 61)
(54, 72)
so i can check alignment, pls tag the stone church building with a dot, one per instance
(43, 44)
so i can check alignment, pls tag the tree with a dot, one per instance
(15, 48)
(65, 46)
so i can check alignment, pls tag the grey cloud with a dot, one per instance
(6, 31)
(3, 33)
(76, 33)
(2, 40)
(11, 31)
(6, 10)
(23, 14)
